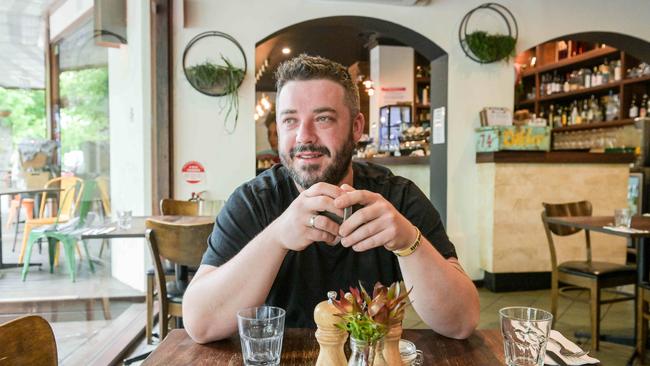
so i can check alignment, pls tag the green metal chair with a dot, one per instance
(68, 234)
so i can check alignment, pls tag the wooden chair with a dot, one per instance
(27, 341)
(642, 318)
(587, 274)
(167, 207)
(183, 245)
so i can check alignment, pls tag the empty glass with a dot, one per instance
(124, 219)
(622, 217)
(260, 331)
(525, 332)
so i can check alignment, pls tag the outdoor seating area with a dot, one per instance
(324, 182)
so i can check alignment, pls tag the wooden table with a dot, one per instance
(12, 192)
(598, 223)
(484, 348)
(138, 228)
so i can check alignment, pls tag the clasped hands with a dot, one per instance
(377, 223)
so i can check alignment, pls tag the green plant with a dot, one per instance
(369, 318)
(219, 80)
(490, 47)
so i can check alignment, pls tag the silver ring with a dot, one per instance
(312, 221)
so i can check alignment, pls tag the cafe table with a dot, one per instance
(640, 226)
(12, 192)
(299, 347)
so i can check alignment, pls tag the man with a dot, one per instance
(272, 243)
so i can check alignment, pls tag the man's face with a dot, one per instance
(316, 132)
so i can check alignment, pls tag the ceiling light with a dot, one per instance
(371, 91)
(265, 103)
(367, 83)
(259, 110)
(286, 50)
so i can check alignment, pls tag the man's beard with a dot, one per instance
(306, 175)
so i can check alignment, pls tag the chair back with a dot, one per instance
(580, 208)
(27, 341)
(183, 244)
(170, 206)
(103, 186)
(71, 188)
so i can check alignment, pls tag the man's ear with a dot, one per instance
(357, 126)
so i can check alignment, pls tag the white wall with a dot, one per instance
(130, 136)
(390, 67)
(66, 14)
(229, 159)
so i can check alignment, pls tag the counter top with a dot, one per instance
(553, 157)
(397, 160)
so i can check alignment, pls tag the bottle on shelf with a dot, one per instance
(643, 110)
(634, 110)
(618, 74)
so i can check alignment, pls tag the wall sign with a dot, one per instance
(193, 172)
(439, 126)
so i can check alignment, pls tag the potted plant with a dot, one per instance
(489, 47)
(369, 319)
(218, 80)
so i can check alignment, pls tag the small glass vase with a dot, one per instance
(366, 353)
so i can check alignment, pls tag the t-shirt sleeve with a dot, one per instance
(235, 226)
(420, 211)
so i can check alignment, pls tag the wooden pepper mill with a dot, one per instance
(330, 338)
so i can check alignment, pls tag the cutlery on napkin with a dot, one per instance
(624, 229)
(553, 356)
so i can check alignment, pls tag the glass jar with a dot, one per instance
(366, 353)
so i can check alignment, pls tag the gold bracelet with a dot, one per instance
(411, 248)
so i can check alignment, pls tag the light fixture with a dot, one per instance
(259, 110)
(367, 83)
(533, 61)
(265, 102)
(286, 50)
(370, 91)
(256, 116)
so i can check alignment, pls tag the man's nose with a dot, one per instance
(306, 133)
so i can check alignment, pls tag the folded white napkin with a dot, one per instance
(624, 229)
(550, 346)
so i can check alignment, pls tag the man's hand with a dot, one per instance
(377, 224)
(294, 227)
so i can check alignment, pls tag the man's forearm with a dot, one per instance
(212, 300)
(443, 296)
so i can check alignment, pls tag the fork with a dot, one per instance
(566, 352)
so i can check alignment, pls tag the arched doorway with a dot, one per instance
(342, 38)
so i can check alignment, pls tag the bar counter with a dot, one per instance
(513, 245)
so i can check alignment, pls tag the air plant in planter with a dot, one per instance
(222, 80)
(369, 319)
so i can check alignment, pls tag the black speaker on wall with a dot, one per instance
(110, 22)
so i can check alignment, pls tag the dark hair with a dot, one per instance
(305, 67)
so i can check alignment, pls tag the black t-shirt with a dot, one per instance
(305, 277)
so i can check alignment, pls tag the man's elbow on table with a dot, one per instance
(202, 331)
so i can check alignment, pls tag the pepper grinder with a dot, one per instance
(330, 338)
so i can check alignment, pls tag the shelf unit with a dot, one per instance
(421, 112)
(625, 88)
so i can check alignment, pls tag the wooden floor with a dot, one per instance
(86, 316)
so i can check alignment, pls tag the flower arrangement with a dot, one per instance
(369, 318)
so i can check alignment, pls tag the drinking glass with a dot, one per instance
(124, 219)
(525, 331)
(622, 217)
(260, 331)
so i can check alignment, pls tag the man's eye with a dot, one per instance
(289, 121)
(324, 119)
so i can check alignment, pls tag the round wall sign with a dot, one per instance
(193, 172)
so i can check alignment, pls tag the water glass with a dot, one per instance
(260, 331)
(622, 217)
(525, 331)
(124, 219)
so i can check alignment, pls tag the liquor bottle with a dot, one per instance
(583, 112)
(551, 115)
(604, 69)
(595, 107)
(634, 110)
(574, 113)
(565, 119)
(597, 78)
(611, 109)
(643, 111)
(587, 78)
(618, 71)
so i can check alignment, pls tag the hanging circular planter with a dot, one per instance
(214, 63)
(484, 47)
